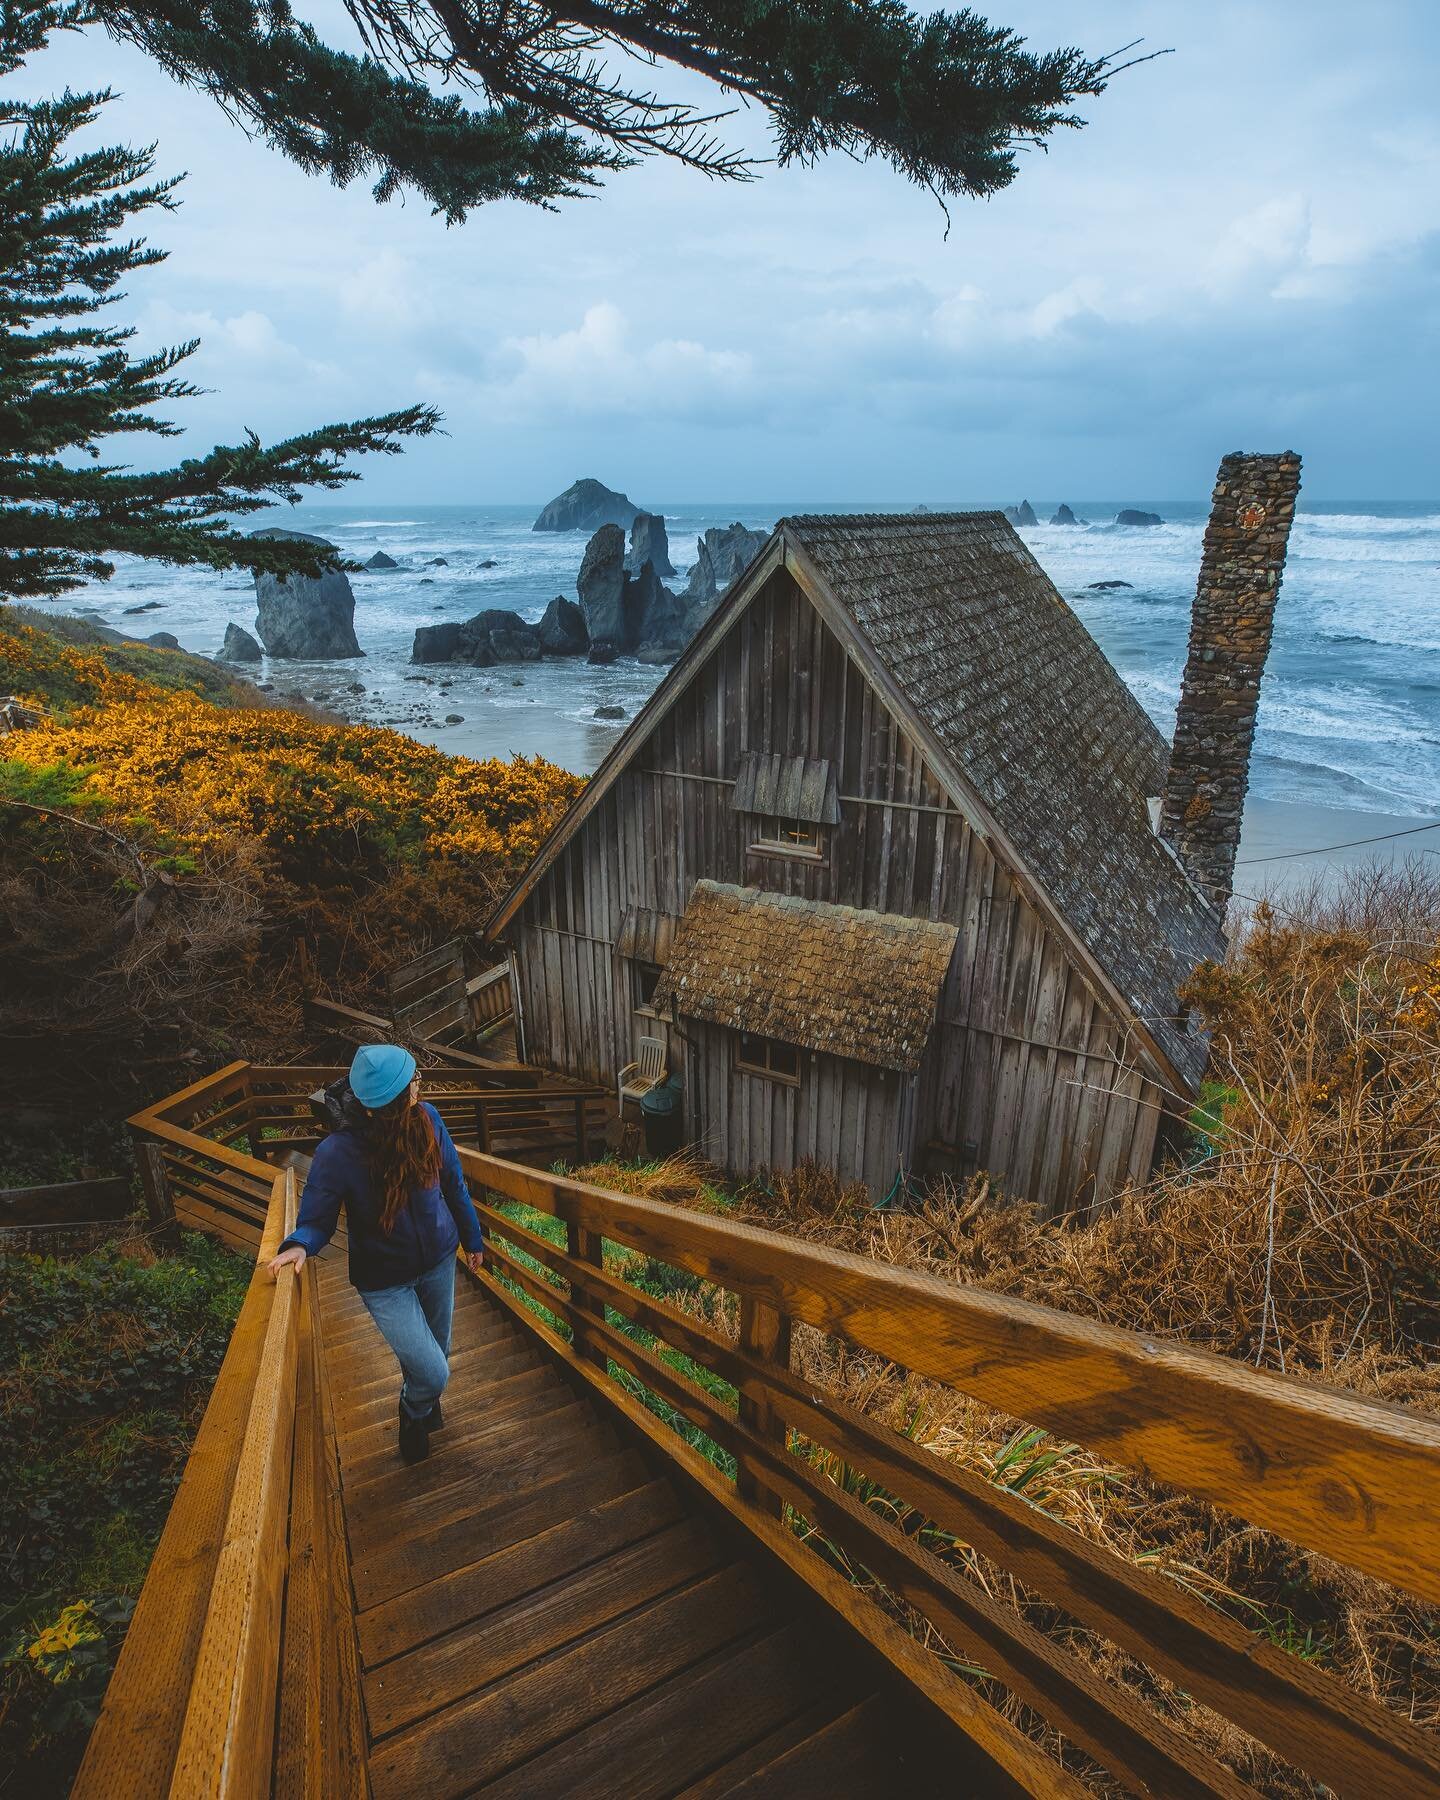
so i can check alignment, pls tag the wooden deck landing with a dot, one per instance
(539, 1612)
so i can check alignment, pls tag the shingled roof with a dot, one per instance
(832, 978)
(1015, 689)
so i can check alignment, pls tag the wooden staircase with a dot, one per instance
(538, 1610)
(570, 1598)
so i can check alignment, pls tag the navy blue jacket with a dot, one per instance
(437, 1219)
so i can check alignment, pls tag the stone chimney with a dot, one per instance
(1240, 569)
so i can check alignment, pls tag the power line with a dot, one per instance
(1325, 849)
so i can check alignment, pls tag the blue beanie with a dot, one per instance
(380, 1073)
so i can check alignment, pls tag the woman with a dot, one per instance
(407, 1208)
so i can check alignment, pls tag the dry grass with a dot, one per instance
(1304, 1241)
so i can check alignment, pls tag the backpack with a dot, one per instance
(337, 1108)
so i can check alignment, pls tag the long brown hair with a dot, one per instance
(404, 1154)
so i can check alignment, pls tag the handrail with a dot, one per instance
(191, 1708)
(231, 1076)
(1351, 1477)
(231, 1712)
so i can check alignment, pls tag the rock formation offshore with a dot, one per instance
(306, 618)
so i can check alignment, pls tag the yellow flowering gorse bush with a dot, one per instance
(320, 796)
(36, 667)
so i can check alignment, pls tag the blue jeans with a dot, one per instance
(414, 1319)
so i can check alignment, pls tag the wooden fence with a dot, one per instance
(1354, 1479)
(239, 1674)
(65, 1218)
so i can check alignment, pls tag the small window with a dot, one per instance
(647, 976)
(800, 838)
(768, 1057)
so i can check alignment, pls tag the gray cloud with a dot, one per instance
(1242, 248)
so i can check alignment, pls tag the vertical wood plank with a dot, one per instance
(587, 1247)
(227, 1742)
(301, 1719)
(339, 1772)
(765, 1334)
(159, 1201)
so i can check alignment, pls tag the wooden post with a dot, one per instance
(586, 1246)
(765, 1335)
(159, 1203)
(482, 1127)
(582, 1143)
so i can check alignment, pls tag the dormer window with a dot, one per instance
(776, 836)
(789, 805)
(643, 941)
(646, 976)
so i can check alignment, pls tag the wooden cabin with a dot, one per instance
(876, 865)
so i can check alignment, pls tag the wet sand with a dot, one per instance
(1285, 845)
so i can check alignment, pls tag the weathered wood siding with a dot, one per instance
(1026, 1065)
(841, 1112)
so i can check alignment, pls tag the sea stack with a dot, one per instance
(306, 618)
(628, 614)
(601, 587)
(648, 543)
(562, 629)
(239, 646)
(719, 557)
(490, 637)
(586, 505)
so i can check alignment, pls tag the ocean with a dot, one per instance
(1350, 713)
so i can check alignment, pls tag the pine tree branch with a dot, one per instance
(69, 380)
(345, 117)
(947, 98)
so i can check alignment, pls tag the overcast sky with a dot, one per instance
(1240, 251)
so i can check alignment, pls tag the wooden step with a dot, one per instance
(527, 1712)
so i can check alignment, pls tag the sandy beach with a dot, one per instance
(1285, 845)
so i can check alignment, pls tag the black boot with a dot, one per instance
(435, 1419)
(414, 1437)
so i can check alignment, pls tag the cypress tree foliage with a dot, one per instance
(946, 98)
(68, 381)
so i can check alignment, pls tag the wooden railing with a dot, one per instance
(239, 1668)
(64, 1218)
(190, 1165)
(491, 1000)
(207, 1155)
(1351, 1478)
(431, 1005)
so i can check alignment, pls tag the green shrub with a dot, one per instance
(108, 1360)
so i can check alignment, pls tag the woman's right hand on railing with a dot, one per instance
(294, 1258)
